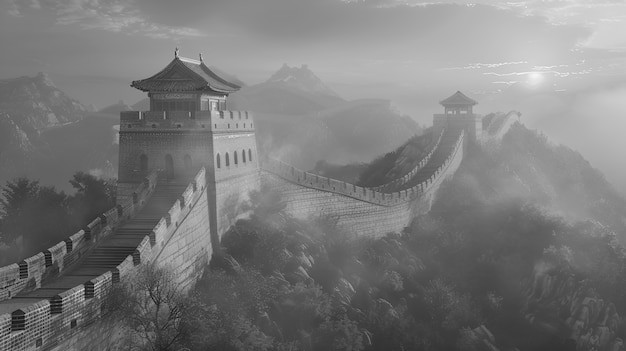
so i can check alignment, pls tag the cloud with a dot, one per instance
(458, 33)
(108, 15)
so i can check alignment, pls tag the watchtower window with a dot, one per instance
(243, 155)
(218, 161)
(227, 160)
(187, 161)
(143, 162)
(235, 157)
(250, 155)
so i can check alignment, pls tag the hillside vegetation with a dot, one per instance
(498, 264)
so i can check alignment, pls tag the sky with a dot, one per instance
(562, 63)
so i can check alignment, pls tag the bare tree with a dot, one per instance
(153, 306)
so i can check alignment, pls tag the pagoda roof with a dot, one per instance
(184, 74)
(458, 99)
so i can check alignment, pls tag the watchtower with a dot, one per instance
(458, 114)
(186, 128)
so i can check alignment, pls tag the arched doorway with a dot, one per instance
(169, 166)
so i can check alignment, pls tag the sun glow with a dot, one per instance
(535, 78)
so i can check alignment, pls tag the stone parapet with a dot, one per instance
(210, 121)
(407, 177)
(362, 216)
(46, 322)
(52, 262)
(314, 181)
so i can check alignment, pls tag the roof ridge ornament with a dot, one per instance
(201, 57)
(176, 52)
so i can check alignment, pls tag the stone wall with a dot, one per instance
(189, 249)
(186, 137)
(407, 177)
(222, 141)
(236, 173)
(28, 275)
(470, 123)
(360, 210)
(180, 238)
(156, 147)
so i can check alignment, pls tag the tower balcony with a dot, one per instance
(210, 121)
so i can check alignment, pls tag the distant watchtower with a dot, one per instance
(187, 128)
(458, 113)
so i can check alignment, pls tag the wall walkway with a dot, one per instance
(52, 301)
(363, 210)
(57, 294)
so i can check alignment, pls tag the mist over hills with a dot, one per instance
(116, 108)
(49, 136)
(519, 244)
(46, 135)
(35, 103)
(302, 121)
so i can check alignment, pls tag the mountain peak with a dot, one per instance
(44, 79)
(300, 78)
(35, 103)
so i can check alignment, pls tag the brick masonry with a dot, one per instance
(189, 232)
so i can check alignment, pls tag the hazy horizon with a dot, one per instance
(561, 63)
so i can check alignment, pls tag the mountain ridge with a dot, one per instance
(35, 103)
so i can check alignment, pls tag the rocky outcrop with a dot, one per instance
(16, 148)
(558, 302)
(35, 103)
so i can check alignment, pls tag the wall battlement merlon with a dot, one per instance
(68, 251)
(214, 121)
(407, 177)
(83, 303)
(314, 181)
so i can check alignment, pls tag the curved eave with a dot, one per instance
(139, 86)
(196, 81)
(231, 87)
(457, 103)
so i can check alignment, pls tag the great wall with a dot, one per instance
(185, 170)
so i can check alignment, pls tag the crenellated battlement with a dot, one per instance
(407, 177)
(185, 170)
(33, 320)
(370, 195)
(209, 121)
(33, 271)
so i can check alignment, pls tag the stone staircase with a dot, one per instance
(110, 252)
(113, 250)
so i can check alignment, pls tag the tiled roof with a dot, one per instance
(183, 74)
(458, 99)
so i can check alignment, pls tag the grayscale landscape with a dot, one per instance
(313, 175)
